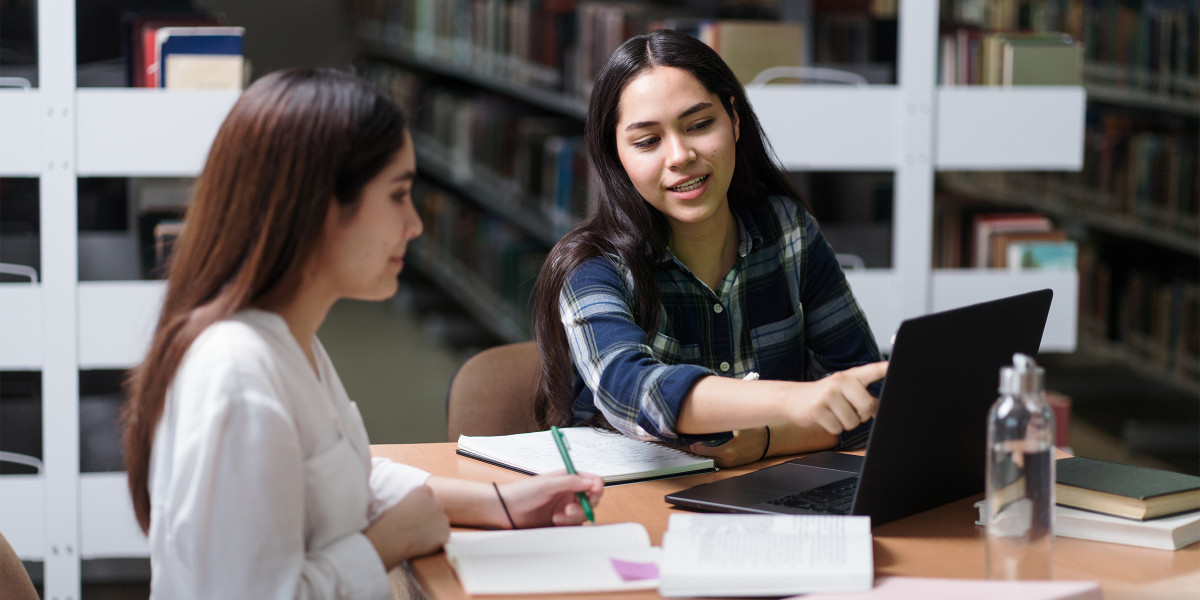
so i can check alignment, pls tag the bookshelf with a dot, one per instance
(911, 129)
(1133, 205)
(59, 325)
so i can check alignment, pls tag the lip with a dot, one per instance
(694, 193)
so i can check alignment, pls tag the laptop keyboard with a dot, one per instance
(832, 498)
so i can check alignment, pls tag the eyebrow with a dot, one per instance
(699, 106)
(405, 176)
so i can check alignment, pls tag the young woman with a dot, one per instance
(698, 268)
(248, 465)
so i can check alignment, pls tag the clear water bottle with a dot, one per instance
(1020, 476)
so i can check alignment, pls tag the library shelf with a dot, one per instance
(116, 320)
(1066, 201)
(21, 316)
(144, 132)
(377, 44)
(21, 130)
(108, 528)
(877, 289)
(471, 180)
(500, 318)
(1139, 88)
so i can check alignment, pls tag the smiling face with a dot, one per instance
(362, 252)
(677, 144)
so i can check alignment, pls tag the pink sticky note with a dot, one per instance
(634, 571)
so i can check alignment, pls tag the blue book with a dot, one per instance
(1043, 255)
(214, 46)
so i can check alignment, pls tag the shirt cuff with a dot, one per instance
(391, 482)
(673, 388)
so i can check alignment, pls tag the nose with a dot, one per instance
(679, 152)
(414, 226)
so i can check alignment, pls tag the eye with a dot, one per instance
(702, 125)
(647, 143)
(401, 195)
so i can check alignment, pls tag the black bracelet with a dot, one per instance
(766, 448)
(504, 505)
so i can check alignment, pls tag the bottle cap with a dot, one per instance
(1023, 377)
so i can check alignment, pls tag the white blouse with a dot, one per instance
(261, 480)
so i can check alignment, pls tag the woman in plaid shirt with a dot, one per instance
(698, 269)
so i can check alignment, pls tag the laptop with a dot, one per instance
(928, 444)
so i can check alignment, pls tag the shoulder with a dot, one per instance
(238, 358)
(608, 269)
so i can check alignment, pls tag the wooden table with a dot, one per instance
(941, 542)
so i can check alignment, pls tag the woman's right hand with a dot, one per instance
(415, 526)
(839, 402)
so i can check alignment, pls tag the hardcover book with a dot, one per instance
(1124, 490)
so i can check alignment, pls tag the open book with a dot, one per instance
(613, 456)
(765, 555)
(554, 560)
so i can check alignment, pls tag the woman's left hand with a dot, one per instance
(550, 499)
(746, 447)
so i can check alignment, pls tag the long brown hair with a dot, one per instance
(625, 225)
(294, 142)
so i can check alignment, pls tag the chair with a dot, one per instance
(15, 583)
(492, 392)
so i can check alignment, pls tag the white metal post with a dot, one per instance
(912, 230)
(60, 269)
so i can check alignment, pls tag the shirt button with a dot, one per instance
(724, 366)
(717, 308)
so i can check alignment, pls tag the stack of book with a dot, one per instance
(1126, 504)
(184, 51)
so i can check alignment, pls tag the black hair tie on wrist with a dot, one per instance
(504, 505)
(766, 448)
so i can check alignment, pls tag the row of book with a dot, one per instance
(497, 256)
(1150, 171)
(534, 163)
(1151, 317)
(562, 44)
(975, 56)
(184, 51)
(979, 235)
(1150, 45)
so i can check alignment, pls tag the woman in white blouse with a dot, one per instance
(248, 465)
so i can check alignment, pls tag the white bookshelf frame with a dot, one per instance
(59, 325)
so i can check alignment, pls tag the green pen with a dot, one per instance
(562, 449)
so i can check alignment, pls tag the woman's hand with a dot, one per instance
(415, 526)
(839, 402)
(747, 446)
(550, 499)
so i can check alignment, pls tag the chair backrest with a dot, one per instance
(15, 583)
(492, 392)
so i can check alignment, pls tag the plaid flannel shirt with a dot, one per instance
(784, 310)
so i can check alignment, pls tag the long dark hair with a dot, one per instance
(294, 142)
(625, 225)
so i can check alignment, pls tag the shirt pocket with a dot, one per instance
(778, 346)
(336, 495)
(668, 350)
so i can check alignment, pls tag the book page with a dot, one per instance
(778, 554)
(612, 456)
(554, 560)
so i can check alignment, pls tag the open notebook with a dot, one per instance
(613, 456)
